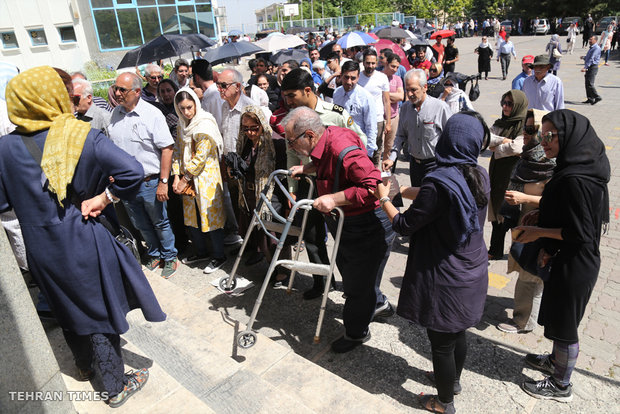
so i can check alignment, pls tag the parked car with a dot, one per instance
(602, 24)
(543, 27)
(563, 28)
(507, 26)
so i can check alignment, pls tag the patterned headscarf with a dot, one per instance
(37, 100)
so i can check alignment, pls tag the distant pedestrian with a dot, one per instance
(605, 43)
(527, 66)
(554, 48)
(590, 67)
(571, 37)
(505, 48)
(485, 54)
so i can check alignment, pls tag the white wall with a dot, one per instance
(19, 16)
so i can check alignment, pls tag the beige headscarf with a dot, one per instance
(37, 99)
(202, 123)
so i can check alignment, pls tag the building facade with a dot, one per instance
(68, 33)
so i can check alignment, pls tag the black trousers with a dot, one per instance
(102, 353)
(590, 77)
(449, 351)
(316, 233)
(498, 235)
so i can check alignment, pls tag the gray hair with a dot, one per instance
(86, 86)
(304, 119)
(80, 74)
(236, 75)
(416, 73)
(150, 68)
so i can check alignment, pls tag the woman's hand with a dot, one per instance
(175, 185)
(514, 197)
(382, 190)
(94, 206)
(530, 219)
(528, 233)
(181, 185)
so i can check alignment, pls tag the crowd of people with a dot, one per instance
(189, 155)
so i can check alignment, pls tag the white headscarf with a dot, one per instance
(202, 123)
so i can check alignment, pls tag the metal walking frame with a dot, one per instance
(284, 226)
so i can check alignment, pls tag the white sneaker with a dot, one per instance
(213, 265)
(232, 239)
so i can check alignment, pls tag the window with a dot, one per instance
(130, 28)
(9, 41)
(37, 37)
(67, 34)
(107, 28)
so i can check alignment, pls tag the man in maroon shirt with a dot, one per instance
(367, 235)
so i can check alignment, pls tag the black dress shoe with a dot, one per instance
(596, 100)
(587, 101)
(346, 343)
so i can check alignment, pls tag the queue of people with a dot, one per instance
(169, 150)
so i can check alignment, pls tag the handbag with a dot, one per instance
(190, 189)
(474, 92)
(556, 53)
(120, 233)
(526, 255)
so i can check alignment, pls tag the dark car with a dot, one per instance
(563, 28)
(602, 24)
(507, 26)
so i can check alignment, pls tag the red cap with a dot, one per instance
(528, 59)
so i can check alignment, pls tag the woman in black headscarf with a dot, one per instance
(446, 278)
(506, 144)
(574, 208)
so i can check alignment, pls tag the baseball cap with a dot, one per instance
(528, 59)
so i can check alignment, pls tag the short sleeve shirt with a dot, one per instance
(395, 83)
(376, 84)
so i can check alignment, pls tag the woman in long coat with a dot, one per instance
(446, 278)
(485, 54)
(196, 158)
(554, 44)
(574, 209)
(506, 144)
(89, 280)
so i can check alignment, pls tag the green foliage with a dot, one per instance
(94, 72)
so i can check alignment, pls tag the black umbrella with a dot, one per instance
(165, 46)
(296, 30)
(416, 41)
(284, 55)
(392, 33)
(422, 27)
(230, 51)
(326, 49)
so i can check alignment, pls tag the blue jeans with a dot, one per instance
(149, 215)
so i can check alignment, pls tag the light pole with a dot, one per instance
(312, 11)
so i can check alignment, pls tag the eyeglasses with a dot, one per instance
(156, 77)
(120, 89)
(507, 103)
(547, 137)
(292, 141)
(530, 129)
(432, 70)
(224, 85)
(75, 99)
(253, 129)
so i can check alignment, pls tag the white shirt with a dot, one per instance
(376, 84)
(231, 121)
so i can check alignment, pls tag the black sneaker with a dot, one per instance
(547, 389)
(346, 343)
(213, 265)
(540, 362)
(384, 311)
(194, 259)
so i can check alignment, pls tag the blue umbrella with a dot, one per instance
(230, 51)
(235, 32)
(353, 39)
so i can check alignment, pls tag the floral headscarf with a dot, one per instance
(37, 100)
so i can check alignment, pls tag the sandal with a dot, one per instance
(430, 375)
(431, 403)
(301, 247)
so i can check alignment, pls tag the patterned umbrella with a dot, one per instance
(353, 39)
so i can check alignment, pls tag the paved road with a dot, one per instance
(392, 364)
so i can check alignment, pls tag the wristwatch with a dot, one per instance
(164, 180)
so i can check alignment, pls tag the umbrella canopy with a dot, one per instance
(235, 32)
(392, 33)
(279, 41)
(230, 51)
(296, 30)
(416, 41)
(422, 27)
(326, 49)
(373, 35)
(443, 33)
(353, 39)
(295, 54)
(165, 46)
(385, 43)
(376, 29)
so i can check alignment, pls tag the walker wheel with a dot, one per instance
(224, 282)
(246, 339)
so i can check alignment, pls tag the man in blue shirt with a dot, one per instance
(359, 103)
(590, 67)
(527, 63)
(505, 49)
(543, 89)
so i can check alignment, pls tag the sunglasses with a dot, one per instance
(292, 142)
(432, 70)
(547, 137)
(254, 128)
(224, 85)
(530, 130)
(507, 103)
(75, 99)
(120, 89)
(156, 77)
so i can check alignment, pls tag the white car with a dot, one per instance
(543, 26)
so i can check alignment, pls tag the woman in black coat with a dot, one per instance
(485, 53)
(573, 210)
